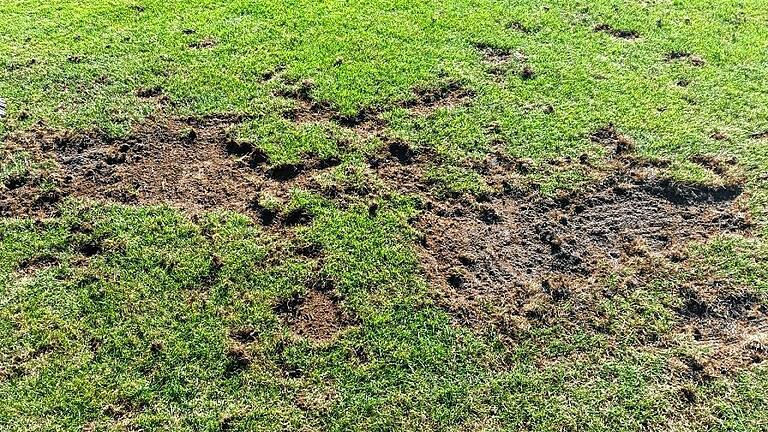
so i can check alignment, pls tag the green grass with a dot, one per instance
(119, 318)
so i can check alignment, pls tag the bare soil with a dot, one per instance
(505, 259)
(316, 316)
(617, 33)
(193, 165)
(518, 258)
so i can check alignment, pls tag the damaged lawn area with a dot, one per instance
(344, 215)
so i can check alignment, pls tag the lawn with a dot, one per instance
(464, 215)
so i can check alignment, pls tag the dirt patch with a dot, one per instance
(617, 143)
(500, 60)
(495, 54)
(31, 266)
(307, 110)
(429, 99)
(204, 43)
(193, 165)
(617, 33)
(517, 258)
(238, 359)
(551, 247)
(20, 363)
(685, 56)
(316, 315)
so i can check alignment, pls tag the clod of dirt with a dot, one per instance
(429, 99)
(684, 55)
(527, 73)
(611, 138)
(618, 33)
(315, 316)
(208, 42)
(401, 151)
(759, 135)
(149, 92)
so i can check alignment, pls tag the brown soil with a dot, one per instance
(683, 55)
(189, 164)
(429, 99)
(505, 259)
(548, 245)
(518, 258)
(617, 33)
(316, 316)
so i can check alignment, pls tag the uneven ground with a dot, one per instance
(466, 215)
